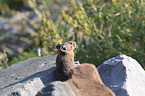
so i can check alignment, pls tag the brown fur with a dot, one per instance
(65, 60)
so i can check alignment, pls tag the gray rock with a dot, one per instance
(33, 77)
(27, 77)
(123, 75)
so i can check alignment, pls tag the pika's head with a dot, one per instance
(67, 46)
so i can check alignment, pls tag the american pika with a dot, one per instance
(65, 60)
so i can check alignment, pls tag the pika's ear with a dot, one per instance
(74, 44)
(63, 48)
(58, 46)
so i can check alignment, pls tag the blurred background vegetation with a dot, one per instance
(102, 29)
(7, 6)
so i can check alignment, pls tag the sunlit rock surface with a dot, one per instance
(123, 75)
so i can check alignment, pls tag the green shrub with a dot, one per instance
(102, 29)
(109, 29)
(52, 32)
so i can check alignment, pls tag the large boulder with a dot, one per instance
(86, 81)
(123, 75)
(27, 77)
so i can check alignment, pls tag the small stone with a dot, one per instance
(56, 88)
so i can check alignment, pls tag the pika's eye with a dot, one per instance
(63, 48)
